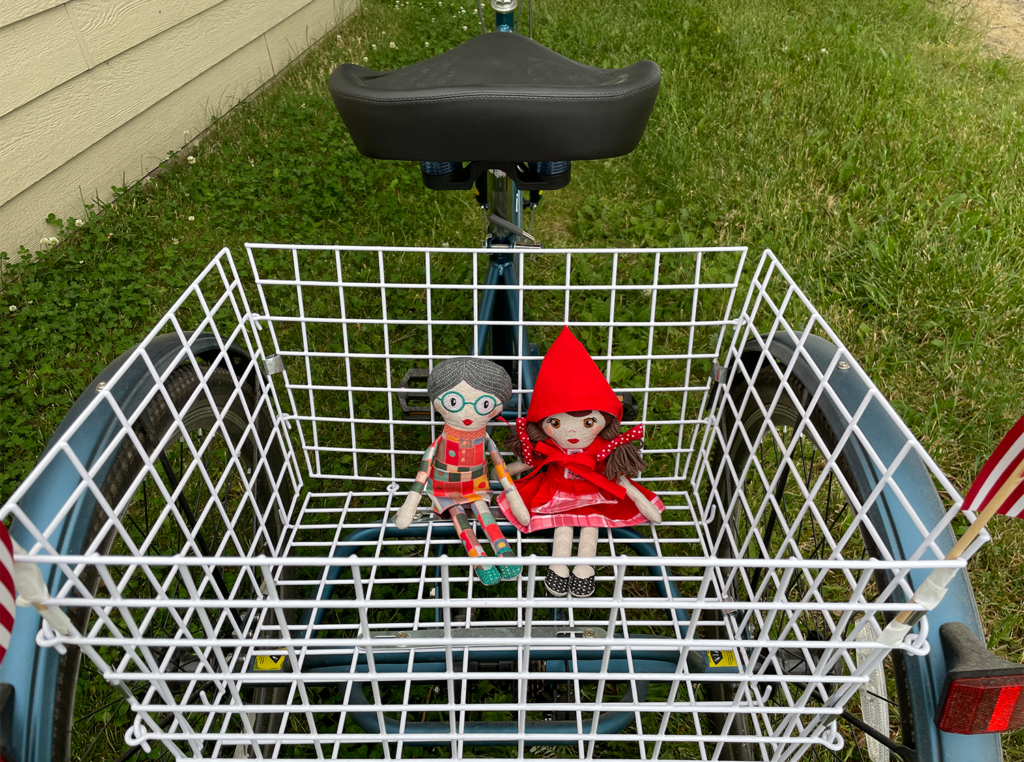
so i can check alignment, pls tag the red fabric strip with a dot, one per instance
(972, 501)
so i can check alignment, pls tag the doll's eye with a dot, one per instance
(484, 405)
(554, 423)
(590, 423)
(453, 402)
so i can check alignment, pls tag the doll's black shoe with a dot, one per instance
(580, 587)
(556, 585)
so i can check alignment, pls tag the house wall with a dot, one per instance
(95, 93)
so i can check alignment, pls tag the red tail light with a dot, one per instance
(983, 705)
(983, 693)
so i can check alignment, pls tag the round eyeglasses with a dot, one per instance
(453, 402)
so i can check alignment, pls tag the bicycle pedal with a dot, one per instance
(413, 398)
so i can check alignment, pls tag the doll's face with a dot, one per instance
(465, 408)
(572, 433)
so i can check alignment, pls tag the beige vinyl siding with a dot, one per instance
(94, 93)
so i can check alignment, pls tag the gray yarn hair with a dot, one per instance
(483, 375)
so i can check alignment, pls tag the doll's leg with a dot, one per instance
(487, 574)
(557, 581)
(582, 584)
(496, 538)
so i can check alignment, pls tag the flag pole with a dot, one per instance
(910, 618)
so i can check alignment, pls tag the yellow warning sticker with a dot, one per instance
(722, 658)
(270, 663)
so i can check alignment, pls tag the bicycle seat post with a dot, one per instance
(504, 15)
(503, 200)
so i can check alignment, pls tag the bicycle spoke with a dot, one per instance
(94, 712)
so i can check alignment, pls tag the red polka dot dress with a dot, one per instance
(569, 487)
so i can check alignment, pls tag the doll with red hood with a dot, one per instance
(579, 462)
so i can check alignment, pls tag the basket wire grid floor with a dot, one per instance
(232, 560)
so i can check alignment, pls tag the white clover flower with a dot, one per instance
(174, 241)
(426, 44)
(374, 46)
(392, 46)
(338, 38)
(464, 27)
(190, 159)
(365, 58)
(191, 218)
(12, 308)
(825, 51)
(79, 223)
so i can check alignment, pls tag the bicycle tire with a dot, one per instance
(745, 410)
(218, 407)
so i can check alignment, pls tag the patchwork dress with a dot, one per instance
(455, 470)
(457, 474)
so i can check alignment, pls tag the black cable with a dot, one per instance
(905, 752)
(512, 228)
(480, 10)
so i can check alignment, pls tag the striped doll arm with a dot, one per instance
(426, 464)
(515, 501)
(500, 469)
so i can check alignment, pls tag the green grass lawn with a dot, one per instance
(872, 145)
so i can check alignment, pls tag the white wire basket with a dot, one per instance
(233, 563)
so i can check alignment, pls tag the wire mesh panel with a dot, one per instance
(350, 324)
(175, 451)
(807, 461)
(244, 581)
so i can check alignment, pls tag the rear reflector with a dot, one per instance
(983, 705)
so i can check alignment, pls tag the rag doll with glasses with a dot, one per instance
(467, 392)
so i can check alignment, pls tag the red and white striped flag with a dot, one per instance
(7, 606)
(1003, 470)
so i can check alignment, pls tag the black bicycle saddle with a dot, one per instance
(498, 97)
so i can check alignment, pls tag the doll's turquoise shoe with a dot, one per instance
(501, 548)
(510, 571)
(488, 575)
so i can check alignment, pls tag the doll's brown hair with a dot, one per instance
(624, 460)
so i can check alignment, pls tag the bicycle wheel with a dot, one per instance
(776, 517)
(227, 502)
